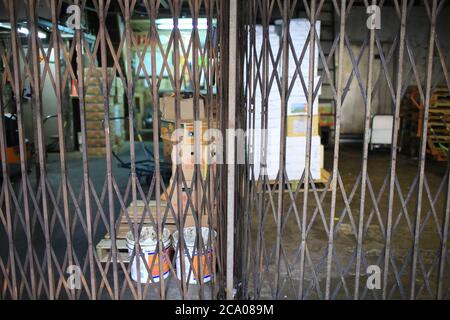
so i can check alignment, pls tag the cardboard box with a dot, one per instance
(183, 199)
(326, 109)
(297, 125)
(295, 159)
(322, 156)
(167, 107)
(188, 159)
(167, 149)
(167, 128)
(189, 133)
(327, 121)
(190, 221)
(140, 207)
(191, 208)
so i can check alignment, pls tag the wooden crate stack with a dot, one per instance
(439, 125)
(186, 147)
(187, 153)
(123, 226)
(95, 112)
(438, 135)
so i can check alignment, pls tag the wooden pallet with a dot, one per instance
(440, 98)
(438, 131)
(104, 246)
(320, 184)
(104, 250)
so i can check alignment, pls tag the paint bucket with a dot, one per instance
(205, 254)
(149, 247)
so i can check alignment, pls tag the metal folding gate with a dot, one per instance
(266, 238)
(52, 218)
(299, 242)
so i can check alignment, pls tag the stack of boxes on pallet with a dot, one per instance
(412, 113)
(95, 111)
(439, 124)
(297, 107)
(189, 154)
(326, 112)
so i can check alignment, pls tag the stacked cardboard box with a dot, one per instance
(189, 154)
(167, 129)
(167, 108)
(95, 112)
(326, 115)
(297, 108)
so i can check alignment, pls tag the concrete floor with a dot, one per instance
(346, 224)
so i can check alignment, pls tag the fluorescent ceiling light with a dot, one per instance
(182, 21)
(183, 24)
(181, 27)
(23, 30)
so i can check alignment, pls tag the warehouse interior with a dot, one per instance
(90, 155)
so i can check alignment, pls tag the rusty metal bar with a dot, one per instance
(446, 220)
(61, 134)
(310, 105)
(335, 173)
(102, 11)
(264, 62)
(395, 146)
(231, 147)
(155, 95)
(22, 149)
(39, 133)
(249, 255)
(7, 196)
(282, 154)
(197, 148)
(444, 251)
(211, 174)
(179, 173)
(130, 90)
(423, 150)
(362, 207)
(84, 153)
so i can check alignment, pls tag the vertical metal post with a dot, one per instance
(423, 150)
(106, 106)
(7, 198)
(179, 169)
(443, 267)
(134, 181)
(40, 159)
(282, 153)
(211, 172)
(231, 150)
(307, 176)
(362, 203)
(155, 95)
(393, 173)
(62, 144)
(23, 154)
(265, 90)
(443, 252)
(84, 153)
(197, 148)
(335, 176)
